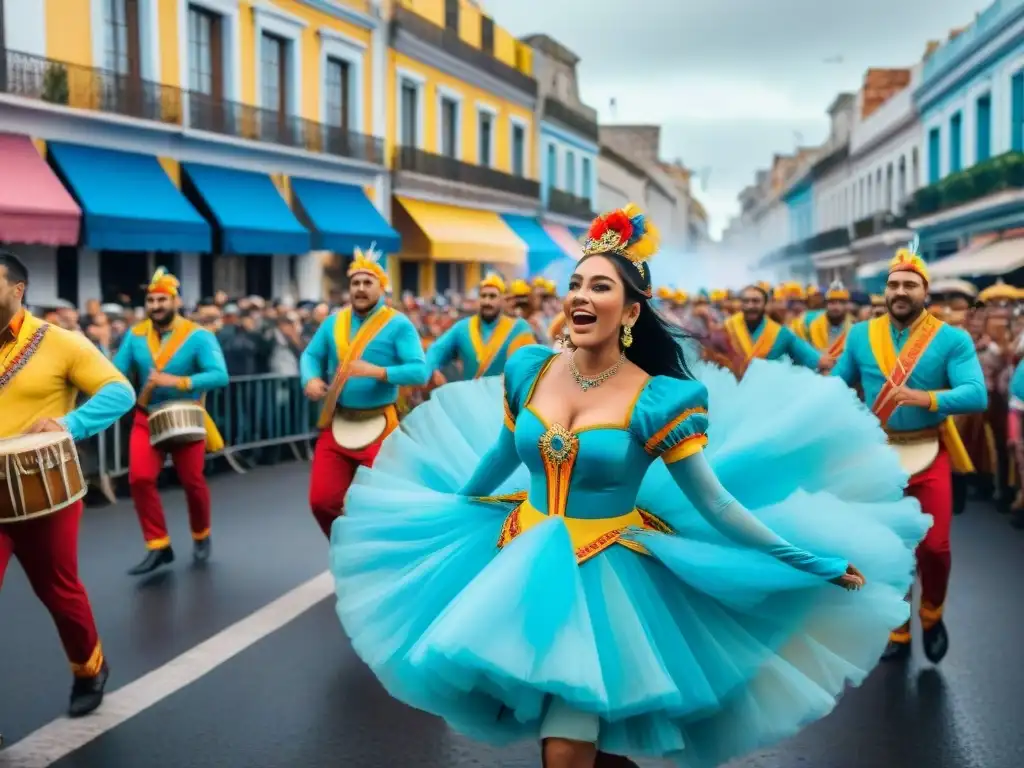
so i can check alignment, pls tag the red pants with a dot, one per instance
(47, 548)
(933, 488)
(333, 470)
(144, 465)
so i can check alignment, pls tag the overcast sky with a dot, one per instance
(731, 81)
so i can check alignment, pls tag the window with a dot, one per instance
(410, 105)
(934, 152)
(570, 172)
(518, 150)
(339, 94)
(274, 63)
(956, 126)
(1017, 112)
(552, 167)
(487, 33)
(485, 138)
(451, 15)
(983, 127)
(205, 53)
(587, 182)
(449, 127)
(121, 37)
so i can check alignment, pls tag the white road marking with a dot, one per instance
(63, 736)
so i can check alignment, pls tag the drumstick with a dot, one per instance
(145, 394)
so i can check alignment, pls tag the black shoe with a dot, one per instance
(154, 559)
(201, 550)
(896, 651)
(936, 642)
(87, 693)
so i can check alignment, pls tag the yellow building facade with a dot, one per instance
(460, 102)
(283, 89)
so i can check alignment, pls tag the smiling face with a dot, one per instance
(752, 304)
(596, 305)
(905, 295)
(491, 302)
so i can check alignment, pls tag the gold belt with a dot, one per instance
(589, 537)
(912, 436)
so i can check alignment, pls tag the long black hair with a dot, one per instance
(659, 345)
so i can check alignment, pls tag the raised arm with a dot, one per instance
(444, 349)
(89, 372)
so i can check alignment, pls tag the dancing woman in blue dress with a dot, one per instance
(611, 553)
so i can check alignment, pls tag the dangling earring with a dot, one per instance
(627, 336)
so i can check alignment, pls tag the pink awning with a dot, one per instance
(34, 206)
(563, 239)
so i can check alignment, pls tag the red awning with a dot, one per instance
(34, 206)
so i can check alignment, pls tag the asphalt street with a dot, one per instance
(298, 697)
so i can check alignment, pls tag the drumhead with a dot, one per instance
(916, 457)
(356, 435)
(176, 405)
(32, 442)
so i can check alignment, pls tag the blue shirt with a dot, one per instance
(468, 341)
(786, 344)
(396, 348)
(197, 360)
(948, 369)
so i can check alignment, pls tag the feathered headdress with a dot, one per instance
(795, 292)
(837, 292)
(519, 288)
(626, 232)
(681, 297)
(163, 282)
(665, 293)
(368, 263)
(493, 280)
(907, 259)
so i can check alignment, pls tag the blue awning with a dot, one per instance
(128, 201)
(251, 216)
(343, 218)
(541, 250)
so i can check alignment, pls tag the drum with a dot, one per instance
(39, 474)
(177, 423)
(355, 430)
(917, 450)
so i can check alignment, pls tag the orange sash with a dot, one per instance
(349, 352)
(485, 353)
(819, 336)
(898, 368)
(736, 327)
(162, 352)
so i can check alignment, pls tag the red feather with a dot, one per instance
(618, 221)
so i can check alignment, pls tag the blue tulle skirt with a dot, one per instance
(702, 652)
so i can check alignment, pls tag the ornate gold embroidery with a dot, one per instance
(558, 444)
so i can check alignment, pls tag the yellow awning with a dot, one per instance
(452, 233)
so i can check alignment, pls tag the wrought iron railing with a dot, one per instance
(877, 223)
(414, 160)
(560, 201)
(566, 115)
(102, 90)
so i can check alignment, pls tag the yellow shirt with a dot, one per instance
(45, 383)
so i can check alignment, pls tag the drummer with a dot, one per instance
(483, 342)
(41, 398)
(173, 359)
(918, 372)
(366, 351)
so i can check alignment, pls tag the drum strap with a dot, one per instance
(162, 351)
(21, 357)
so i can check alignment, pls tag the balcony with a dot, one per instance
(97, 90)
(100, 90)
(560, 201)
(450, 42)
(827, 240)
(413, 160)
(999, 174)
(569, 117)
(243, 121)
(877, 224)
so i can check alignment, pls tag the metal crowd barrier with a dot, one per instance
(252, 413)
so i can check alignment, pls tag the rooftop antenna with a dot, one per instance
(613, 108)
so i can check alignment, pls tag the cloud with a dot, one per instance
(731, 81)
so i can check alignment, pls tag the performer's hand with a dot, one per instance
(438, 380)
(47, 425)
(360, 369)
(826, 363)
(852, 579)
(914, 397)
(161, 379)
(316, 389)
